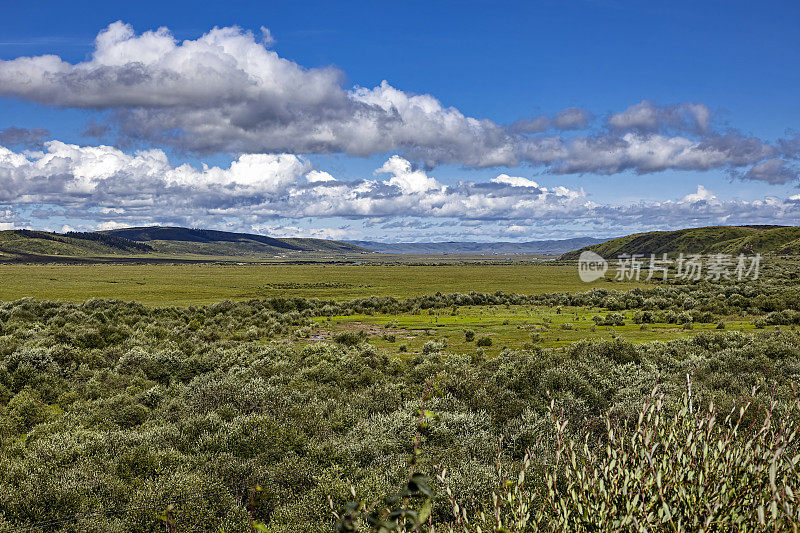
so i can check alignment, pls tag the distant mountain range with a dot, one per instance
(30, 245)
(551, 247)
(777, 240)
(37, 246)
(159, 243)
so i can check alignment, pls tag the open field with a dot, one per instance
(187, 284)
(508, 327)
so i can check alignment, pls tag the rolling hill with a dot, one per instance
(226, 243)
(777, 240)
(153, 244)
(24, 242)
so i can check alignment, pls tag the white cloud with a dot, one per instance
(317, 176)
(406, 179)
(281, 230)
(104, 187)
(228, 92)
(702, 195)
(112, 224)
(514, 181)
(646, 116)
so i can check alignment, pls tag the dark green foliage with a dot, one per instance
(350, 338)
(112, 241)
(28, 242)
(483, 341)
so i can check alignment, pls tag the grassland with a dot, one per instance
(195, 284)
(401, 335)
(507, 326)
(309, 383)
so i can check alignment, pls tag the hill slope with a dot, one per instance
(551, 247)
(783, 240)
(25, 242)
(212, 242)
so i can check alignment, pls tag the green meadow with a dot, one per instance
(197, 284)
(501, 327)
(506, 327)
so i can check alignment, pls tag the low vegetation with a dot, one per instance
(207, 283)
(115, 414)
(695, 470)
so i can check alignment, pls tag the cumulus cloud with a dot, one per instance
(111, 185)
(653, 153)
(104, 187)
(229, 92)
(648, 117)
(514, 181)
(774, 171)
(702, 195)
(405, 178)
(317, 176)
(288, 230)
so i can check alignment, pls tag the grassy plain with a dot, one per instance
(507, 327)
(512, 327)
(195, 284)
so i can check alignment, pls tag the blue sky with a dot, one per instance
(502, 63)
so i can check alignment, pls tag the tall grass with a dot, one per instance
(694, 470)
(690, 470)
